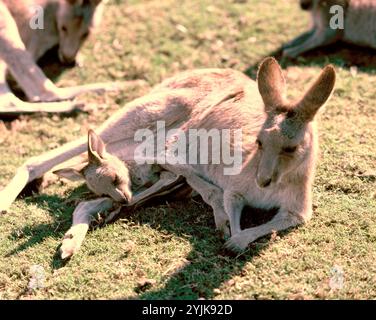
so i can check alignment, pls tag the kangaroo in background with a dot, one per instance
(67, 23)
(359, 25)
(279, 145)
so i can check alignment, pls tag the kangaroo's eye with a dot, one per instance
(289, 149)
(259, 144)
(64, 29)
(85, 35)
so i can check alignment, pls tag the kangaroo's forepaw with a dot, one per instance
(73, 240)
(224, 230)
(222, 224)
(237, 243)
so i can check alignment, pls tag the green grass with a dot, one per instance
(175, 244)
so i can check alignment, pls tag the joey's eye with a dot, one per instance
(259, 144)
(117, 181)
(64, 29)
(289, 149)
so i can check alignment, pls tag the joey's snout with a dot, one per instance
(119, 195)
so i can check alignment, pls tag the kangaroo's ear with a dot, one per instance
(74, 173)
(271, 84)
(96, 148)
(317, 95)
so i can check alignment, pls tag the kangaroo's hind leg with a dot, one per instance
(11, 105)
(298, 40)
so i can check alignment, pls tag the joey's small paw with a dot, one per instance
(69, 246)
(66, 251)
(72, 241)
(4, 202)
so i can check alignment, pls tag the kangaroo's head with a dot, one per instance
(104, 173)
(75, 21)
(286, 137)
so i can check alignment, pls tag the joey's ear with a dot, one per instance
(271, 84)
(96, 148)
(317, 95)
(73, 173)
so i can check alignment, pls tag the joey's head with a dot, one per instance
(104, 173)
(286, 138)
(75, 21)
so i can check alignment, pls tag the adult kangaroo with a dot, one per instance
(358, 25)
(278, 144)
(67, 23)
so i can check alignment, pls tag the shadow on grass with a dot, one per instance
(208, 265)
(339, 54)
(61, 219)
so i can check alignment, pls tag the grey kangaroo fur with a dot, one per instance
(279, 144)
(359, 25)
(67, 23)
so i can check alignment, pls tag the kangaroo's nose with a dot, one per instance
(67, 60)
(265, 183)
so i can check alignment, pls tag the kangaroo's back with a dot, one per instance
(177, 100)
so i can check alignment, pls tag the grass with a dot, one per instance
(174, 244)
